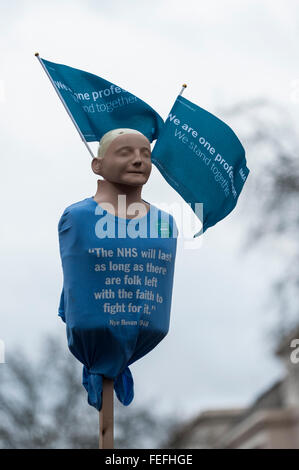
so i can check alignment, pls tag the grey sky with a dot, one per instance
(216, 353)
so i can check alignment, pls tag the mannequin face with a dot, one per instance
(125, 156)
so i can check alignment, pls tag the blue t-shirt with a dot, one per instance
(117, 290)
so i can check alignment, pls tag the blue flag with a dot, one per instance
(202, 159)
(99, 106)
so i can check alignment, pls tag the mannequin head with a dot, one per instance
(124, 157)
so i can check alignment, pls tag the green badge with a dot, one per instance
(164, 229)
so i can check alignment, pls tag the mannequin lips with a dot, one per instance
(137, 172)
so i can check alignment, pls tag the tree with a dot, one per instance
(272, 197)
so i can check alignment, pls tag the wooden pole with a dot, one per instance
(106, 416)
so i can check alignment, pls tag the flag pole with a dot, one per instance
(183, 88)
(106, 415)
(180, 94)
(64, 104)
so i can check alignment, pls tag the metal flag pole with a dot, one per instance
(64, 104)
(183, 88)
(181, 92)
(106, 415)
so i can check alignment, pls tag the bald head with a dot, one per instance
(110, 136)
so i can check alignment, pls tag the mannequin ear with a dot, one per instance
(96, 165)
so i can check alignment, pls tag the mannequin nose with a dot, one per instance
(137, 156)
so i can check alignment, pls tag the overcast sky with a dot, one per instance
(216, 353)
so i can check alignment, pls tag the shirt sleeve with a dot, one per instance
(64, 224)
(65, 221)
(61, 312)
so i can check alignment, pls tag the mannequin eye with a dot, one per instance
(146, 153)
(124, 151)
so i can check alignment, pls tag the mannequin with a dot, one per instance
(118, 257)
